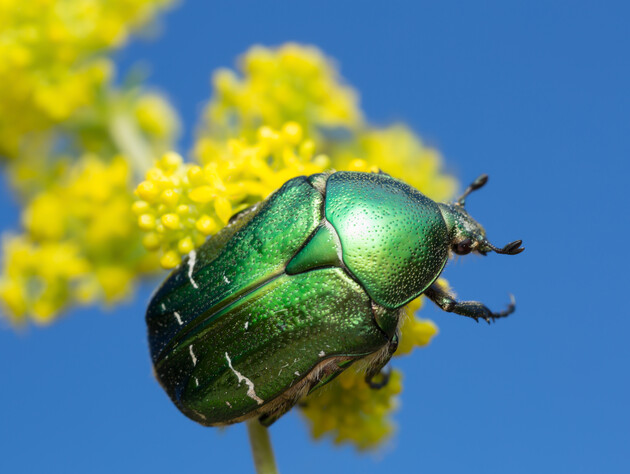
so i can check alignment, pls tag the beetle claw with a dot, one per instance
(513, 248)
(385, 375)
(509, 310)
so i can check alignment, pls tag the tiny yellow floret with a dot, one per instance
(146, 221)
(148, 191)
(170, 259)
(170, 221)
(185, 245)
(206, 225)
(169, 197)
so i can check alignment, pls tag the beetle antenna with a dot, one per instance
(476, 184)
(512, 248)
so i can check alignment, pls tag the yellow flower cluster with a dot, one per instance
(51, 59)
(38, 279)
(181, 204)
(80, 244)
(399, 152)
(291, 83)
(349, 411)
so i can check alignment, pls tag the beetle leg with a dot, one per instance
(378, 368)
(269, 419)
(385, 374)
(472, 309)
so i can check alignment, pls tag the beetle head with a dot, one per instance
(465, 233)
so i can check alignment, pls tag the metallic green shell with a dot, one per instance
(290, 283)
(393, 237)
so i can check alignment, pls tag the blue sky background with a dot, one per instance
(536, 94)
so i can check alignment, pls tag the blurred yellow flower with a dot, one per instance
(399, 152)
(38, 280)
(291, 83)
(80, 244)
(348, 410)
(51, 59)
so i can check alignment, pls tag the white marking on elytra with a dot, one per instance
(192, 258)
(246, 325)
(321, 353)
(202, 416)
(251, 393)
(178, 317)
(192, 355)
(163, 307)
(226, 279)
(281, 368)
(197, 381)
(297, 373)
(228, 404)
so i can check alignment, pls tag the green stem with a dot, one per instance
(261, 448)
(130, 142)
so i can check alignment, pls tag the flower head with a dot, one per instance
(52, 58)
(290, 83)
(180, 204)
(80, 244)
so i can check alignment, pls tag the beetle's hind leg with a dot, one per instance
(384, 374)
(377, 369)
(472, 309)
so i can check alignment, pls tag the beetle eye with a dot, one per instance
(463, 247)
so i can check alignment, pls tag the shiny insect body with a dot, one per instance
(299, 287)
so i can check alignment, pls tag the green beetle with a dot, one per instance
(300, 286)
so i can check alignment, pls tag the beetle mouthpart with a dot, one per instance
(476, 184)
(512, 248)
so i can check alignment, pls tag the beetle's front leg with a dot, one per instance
(472, 309)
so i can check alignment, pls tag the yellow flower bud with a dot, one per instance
(206, 225)
(185, 245)
(170, 161)
(195, 175)
(169, 197)
(147, 191)
(170, 259)
(146, 221)
(140, 207)
(170, 221)
(151, 241)
(155, 175)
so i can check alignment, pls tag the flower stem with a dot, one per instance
(129, 140)
(261, 448)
